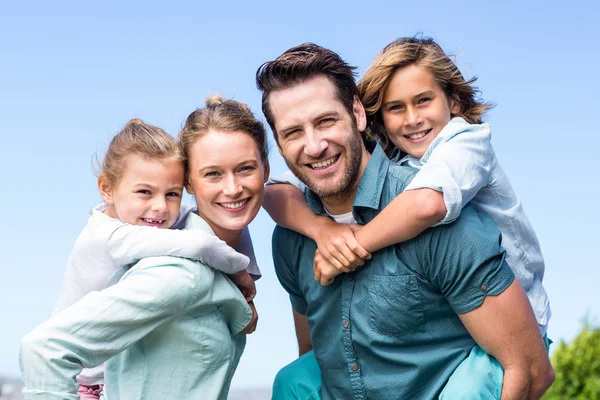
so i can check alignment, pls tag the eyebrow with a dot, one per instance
(428, 92)
(318, 117)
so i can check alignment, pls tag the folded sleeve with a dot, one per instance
(458, 167)
(288, 178)
(465, 261)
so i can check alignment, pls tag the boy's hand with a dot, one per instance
(251, 327)
(324, 272)
(338, 246)
(245, 283)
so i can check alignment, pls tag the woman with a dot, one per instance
(171, 325)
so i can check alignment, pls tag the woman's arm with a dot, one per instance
(130, 243)
(102, 324)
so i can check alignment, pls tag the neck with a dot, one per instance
(231, 237)
(342, 202)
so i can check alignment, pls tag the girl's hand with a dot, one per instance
(338, 246)
(245, 283)
(251, 327)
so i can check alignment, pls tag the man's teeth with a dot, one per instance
(323, 164)
(234, 205)
(417, 135)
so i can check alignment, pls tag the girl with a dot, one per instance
(427, 116)
(141, 182)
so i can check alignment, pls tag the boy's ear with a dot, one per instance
(454, 104)
(105, 190)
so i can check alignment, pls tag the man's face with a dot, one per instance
(319, 140)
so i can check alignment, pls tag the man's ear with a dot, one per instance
(359, 114)
(105, 189)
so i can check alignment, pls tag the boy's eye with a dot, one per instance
(423, 100)
(395, 107)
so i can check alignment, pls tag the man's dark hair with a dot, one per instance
(299, 64)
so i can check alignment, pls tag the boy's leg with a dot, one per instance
(300, 380)
(479, 376)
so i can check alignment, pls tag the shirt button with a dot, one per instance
(354, 367)
(350, 276)
(346, 324)
(483, 288)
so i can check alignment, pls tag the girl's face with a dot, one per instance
(227, 177)
(149, 192)
(415, 109)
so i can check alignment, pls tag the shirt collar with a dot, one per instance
(370, 186)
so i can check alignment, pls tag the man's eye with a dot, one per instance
(326, 122)
(291, 133)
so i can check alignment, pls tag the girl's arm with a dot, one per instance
(130, 243)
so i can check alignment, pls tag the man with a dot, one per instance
(398, 327)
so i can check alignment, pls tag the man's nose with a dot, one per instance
(315, 144)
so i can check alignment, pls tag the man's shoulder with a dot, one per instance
(396, 180)
(285, 240)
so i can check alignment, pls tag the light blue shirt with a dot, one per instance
(461, 163)
(170, 325)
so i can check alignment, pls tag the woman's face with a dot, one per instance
(227, 177)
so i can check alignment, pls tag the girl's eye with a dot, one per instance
(144, 191)
(173, 194)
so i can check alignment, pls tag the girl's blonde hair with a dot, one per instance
(427, 54)
(138, 138)
(222, 115)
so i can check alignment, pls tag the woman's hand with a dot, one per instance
(251, 327)
(245, 283)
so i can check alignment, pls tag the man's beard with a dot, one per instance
(346, 187)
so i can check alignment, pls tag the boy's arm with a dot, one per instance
(288, 208)
(302, 333)
(130, 243)
(505, 327)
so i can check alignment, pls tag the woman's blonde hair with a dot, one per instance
(427, 54)
(222, 115)
(138, 138)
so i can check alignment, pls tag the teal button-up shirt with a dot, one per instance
(390, 330)
(170, 325)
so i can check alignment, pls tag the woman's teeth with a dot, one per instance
(323, 164)
(234, 205)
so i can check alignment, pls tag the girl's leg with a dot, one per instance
(299, 380)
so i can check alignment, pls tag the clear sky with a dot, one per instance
(72, 74)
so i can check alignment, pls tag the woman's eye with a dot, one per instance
(247, 168)
(211, 174)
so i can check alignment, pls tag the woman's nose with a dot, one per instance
(232, 186)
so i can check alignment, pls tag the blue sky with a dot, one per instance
(73, 73)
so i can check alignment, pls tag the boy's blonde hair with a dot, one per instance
(138, 138)
(427, 54)
(222, 115)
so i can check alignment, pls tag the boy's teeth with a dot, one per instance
(416, 135)
(323, 164)
(234, 205)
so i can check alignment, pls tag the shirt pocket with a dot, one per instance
(395, 306)
(215, 346)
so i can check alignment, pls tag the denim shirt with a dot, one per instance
(391, 330)
(170, 325)
(461, 163)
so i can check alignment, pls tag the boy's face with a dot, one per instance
(148, 193)
(415, 109)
